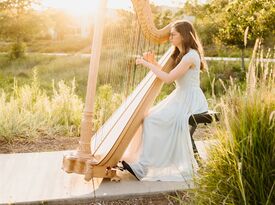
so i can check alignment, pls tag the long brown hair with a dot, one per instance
(189, 40)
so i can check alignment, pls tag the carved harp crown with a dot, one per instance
(123, 124)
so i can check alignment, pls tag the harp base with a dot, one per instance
(74, 163)
(89, 167)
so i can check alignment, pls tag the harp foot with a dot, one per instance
(89, 171)
(73, 163)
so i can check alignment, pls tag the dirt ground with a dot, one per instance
(42, 144)
(173, 198)
(58, 143)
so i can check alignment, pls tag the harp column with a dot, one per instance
(76, 162)
(84, 149)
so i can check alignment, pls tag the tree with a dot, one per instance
(206, 21)
(226, 21)
(62, 22)
(162, 16)
(18, 22)
(258, 16)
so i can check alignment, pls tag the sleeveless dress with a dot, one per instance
(166, 152)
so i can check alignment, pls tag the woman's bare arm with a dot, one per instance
(174, 74)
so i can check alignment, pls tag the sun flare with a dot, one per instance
(84, 7)
(79, 7)
(89, 7)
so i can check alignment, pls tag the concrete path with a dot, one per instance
(37, 177)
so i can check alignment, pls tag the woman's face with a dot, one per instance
(175, 37)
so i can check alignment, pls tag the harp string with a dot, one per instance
(118, 75)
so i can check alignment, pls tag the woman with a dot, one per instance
(167, 153)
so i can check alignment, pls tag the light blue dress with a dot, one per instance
(166, 151)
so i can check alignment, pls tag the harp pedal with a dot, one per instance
(116, 168)
(115, 178)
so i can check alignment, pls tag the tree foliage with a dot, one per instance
(18, 20)
(162, 16)
(256, 15)
(60, 21)
(227, 20)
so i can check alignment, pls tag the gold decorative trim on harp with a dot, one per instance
(124, 123)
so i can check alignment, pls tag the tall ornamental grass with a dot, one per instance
(241, 167)
(28, 112)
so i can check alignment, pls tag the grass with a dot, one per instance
(82, 45)
(66, 68)
(221, 71)
(68, 45)
(48, 68)
(241, 168)
(29, 112)
(226, 51)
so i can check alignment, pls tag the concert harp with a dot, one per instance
(99, 153)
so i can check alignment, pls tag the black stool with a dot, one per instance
(194, 120)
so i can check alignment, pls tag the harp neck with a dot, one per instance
(145, 19)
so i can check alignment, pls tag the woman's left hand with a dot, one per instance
(140, 61)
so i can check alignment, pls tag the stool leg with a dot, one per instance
(196, 153)
(192, 130)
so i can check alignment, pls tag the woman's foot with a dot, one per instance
(128, 168)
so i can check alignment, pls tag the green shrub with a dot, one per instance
(17, 50)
